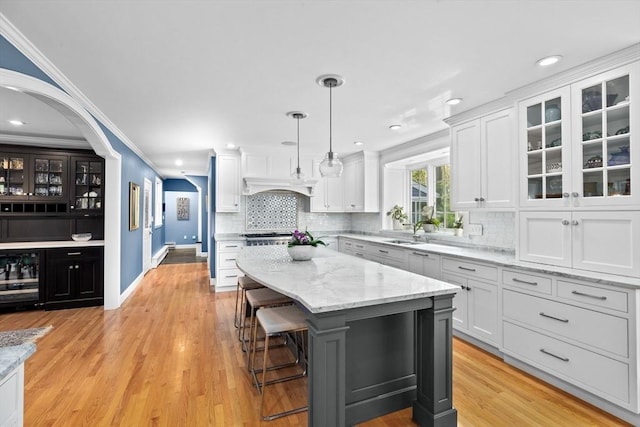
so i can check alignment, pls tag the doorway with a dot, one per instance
(147, 229)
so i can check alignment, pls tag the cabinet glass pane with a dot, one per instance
(553, 163)
(592, 126)
(618, 153)
(618, 121)
(535, 188)
(47, 177)
(592, 98)
(592, 155)
(554, 187)
(592, 184)
(617, 91)
(553, 136)
(534, 139)
(552, 110)
(619, 182)
(534, 163)
(534, 115)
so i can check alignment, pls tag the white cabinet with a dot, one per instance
(226, 271)
(360, 179)
(576, 143)
(476, 304)
(227, 182)
(482, 162)
(12, 395)
(607, 242)
(328, 194)
(424, 263)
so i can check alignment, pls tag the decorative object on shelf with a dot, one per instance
(429, 222)
(623, 130)
(297, 177)
(587, 136)
(182, 207)
(594, 162)
(398, 216)
(555, 143)
(302, 246)
(330, 166)
(81, 237)
(134, 206)
(458, 226)
(552, 113)
(536, 145)
(619, 158)
(611, 99)
(554, 167)
(591, 101)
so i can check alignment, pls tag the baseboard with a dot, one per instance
(132, 287)
(159, 256)
(187, 246)
(480, 344)
(216, 288)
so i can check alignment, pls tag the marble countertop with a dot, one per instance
(502, 258)
(332, 281)
(11, 357)
(51, 244)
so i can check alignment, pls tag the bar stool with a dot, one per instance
(288, 319)
(245, 283)
(258, 298)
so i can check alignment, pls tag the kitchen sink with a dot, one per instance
(402, 242)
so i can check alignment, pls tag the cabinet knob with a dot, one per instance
(575, 222)
(476, 199)
(565, 194)
(565, 222)
(71, 267)
(575, 194)
(482, 199)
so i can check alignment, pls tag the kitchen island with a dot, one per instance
(380, 339)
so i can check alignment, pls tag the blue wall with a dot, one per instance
(176, 229)
(203, 183)
(133, 170)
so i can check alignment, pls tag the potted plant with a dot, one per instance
(458, 226)
(398, 216)
(429, 222)
(302, 246)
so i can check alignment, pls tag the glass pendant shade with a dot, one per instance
(331, 166)
(297, 177)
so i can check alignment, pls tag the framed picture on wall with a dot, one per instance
(182, 206)
(134, 206)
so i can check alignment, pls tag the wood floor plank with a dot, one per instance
(170, 357)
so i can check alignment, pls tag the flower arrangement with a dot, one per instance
(458, 222)
(299, 238)
(397, 213)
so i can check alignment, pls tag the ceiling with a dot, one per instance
(180, 78)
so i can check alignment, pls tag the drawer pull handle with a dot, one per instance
(74, 253)
(232, 246)
(359, 246)
(564, 359)
(600, 297)
(230, 259)
(358, 254)
(515, 279)
(466, 268)
(384, 252)
(421, 254)
(228, 277)
(543, 314)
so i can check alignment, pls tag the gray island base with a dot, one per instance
(380, 339)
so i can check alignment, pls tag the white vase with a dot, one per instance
(458, 232)
(301, 252)
(397, 224)
(429, 228)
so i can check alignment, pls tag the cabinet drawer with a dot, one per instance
(527, 281)
(598, 297)
(230, 246)
(609, 333)
(227, 260)
(391, 262)
(387, 252)
(228, 277)
(598, 374)
(470, 269)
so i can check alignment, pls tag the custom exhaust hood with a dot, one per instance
(253, 185)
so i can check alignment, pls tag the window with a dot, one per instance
(434, 176)
(158, 205)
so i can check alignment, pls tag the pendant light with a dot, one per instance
(297, 177)
(330, 166)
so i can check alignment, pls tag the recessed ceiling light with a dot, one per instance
(17, 122)
(395, 127)
(453, 101)
(358, 143)
(178, 162)
(548, 60)
(289, 143)
(13, 88)
(231, 145)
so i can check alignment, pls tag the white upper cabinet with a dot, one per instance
(361, 182)
(482, 162)
(227, 182)
(577, 143)
(328, 194)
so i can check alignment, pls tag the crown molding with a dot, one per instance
(588, 69)
(46, 141)
(28, 49)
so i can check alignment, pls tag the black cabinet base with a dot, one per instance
(76, 303)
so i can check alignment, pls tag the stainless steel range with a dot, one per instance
(270, 238)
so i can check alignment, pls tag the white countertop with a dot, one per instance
(333, 281)
(52, 244)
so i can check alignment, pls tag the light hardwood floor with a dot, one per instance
(170, 357)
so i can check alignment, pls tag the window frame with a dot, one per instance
(430, 166)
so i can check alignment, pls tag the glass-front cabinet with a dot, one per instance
(33, 177)
(545, 130)
(89, 178)
(605, 118)
(578, 144)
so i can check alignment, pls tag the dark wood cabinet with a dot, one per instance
(37, 176)
(20, 278)
(87, 174)
(74, 277)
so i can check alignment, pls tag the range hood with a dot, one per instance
(255, 185)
